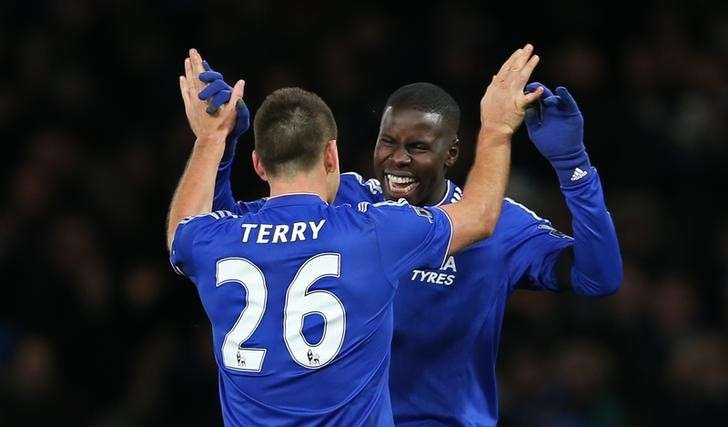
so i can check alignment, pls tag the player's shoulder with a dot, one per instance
(514, 210)
(355, 180)
(251, 206)
(206, 227)
(366, 210)
(516, 217)
(209, 223)
(397, 211)
(208, 217)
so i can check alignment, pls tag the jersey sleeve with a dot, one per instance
(409, 236)
(597, 266)
(189, 232)
(531, 245)
(223, 198)
(353, 189)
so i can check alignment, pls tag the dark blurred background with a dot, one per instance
(94, 326)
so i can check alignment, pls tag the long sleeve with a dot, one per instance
(223, 198)
(597, 265)
(535, 249)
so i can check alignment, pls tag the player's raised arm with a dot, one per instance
(558, 134)
(217, 93)
(195, 189)
(502, 110)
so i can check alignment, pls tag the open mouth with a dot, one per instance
(400, 186)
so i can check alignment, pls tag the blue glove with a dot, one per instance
(557, 130)
(217, 93)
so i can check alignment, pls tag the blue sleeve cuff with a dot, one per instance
(573, 169)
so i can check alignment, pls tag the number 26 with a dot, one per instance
(300, 302)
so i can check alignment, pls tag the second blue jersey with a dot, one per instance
(447, 320)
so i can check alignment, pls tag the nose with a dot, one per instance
(401, 157)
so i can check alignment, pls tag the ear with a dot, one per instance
(258, 166)
(452, 153)
(331, 157)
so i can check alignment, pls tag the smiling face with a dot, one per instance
(414, 150)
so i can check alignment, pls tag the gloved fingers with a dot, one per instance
(220, 98)
(567, 103)
(240, 105)
(243, 120)
(533, 85)
(551, 101)
(210, 76)
(533, 117)
(212, 89)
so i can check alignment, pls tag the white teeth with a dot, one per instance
(400, 179)
(400, 184)
(404, 190)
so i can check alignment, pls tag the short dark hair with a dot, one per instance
(292, 127)
(427, 98)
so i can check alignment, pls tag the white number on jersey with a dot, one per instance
(299, 304)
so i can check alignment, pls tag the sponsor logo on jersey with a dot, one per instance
(445, 276)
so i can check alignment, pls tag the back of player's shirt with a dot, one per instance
(300, 295)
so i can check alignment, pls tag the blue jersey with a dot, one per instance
(444, 356)
(299, 295)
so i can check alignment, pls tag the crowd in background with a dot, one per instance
(94, 325)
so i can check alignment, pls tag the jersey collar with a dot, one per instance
(452, 195)
(294, 199)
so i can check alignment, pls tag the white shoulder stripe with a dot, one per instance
(400, 202)
(372, 184)
(216, 215)
(224, 214)
(355, 175)
(532, 213)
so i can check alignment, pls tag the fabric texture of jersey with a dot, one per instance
(299, 294)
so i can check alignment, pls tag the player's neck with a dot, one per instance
(438, 195)
(301, 183)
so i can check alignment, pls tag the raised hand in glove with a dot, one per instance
(217, 92)
(556, 127)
